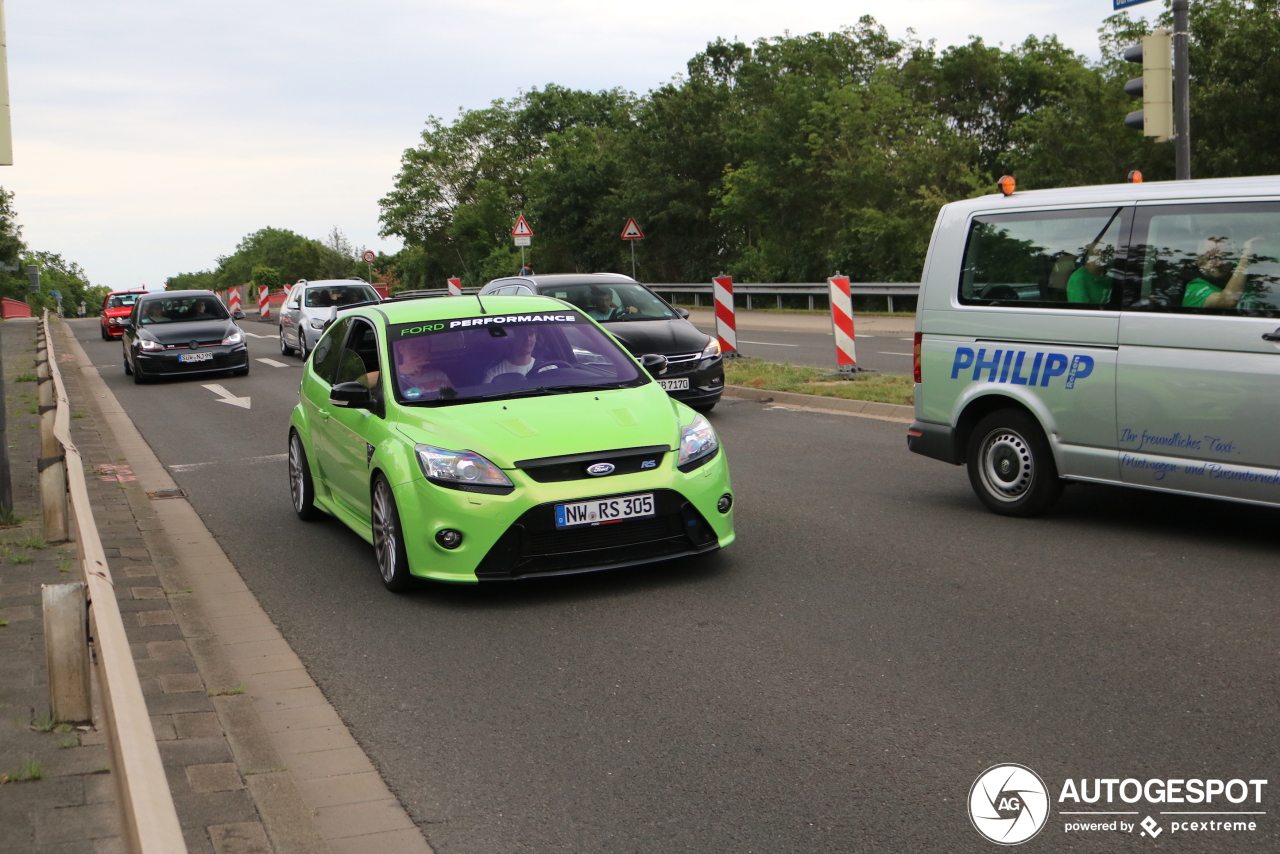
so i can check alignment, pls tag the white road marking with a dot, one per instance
(887, 353)
(256, 335)
(769, 343)
(263, 459)
(273, 363)
(225, 396)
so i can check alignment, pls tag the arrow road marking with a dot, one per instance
(273, 363)
(225, 396)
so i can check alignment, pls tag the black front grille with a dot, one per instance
(574, 466)
(533, 545)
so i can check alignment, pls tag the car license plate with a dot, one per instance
(195, 357)
(604, 510)
(681, 384)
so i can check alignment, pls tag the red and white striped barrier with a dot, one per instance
(842, 323)
(235, 299)
(726, 324)
(264, 307)
(455, 287)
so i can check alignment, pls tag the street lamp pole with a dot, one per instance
(1181, 90)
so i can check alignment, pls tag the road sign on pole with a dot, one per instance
(523, 234)
(631, 231)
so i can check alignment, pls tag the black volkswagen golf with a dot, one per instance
(643, 321)
(183, 332)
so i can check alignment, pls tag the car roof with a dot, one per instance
(426, 309)
(329, 283)
(561, 279)
(1207, 189)
(169, 294)
(131, 291)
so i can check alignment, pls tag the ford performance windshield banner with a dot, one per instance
(434, 327)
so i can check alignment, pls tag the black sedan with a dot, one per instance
(183, 332)
(642, 321)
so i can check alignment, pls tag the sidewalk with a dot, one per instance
(242, 730)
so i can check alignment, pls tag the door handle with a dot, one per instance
(1271, 336)
(323, 413)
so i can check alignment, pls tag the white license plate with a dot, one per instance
(603, 510)
(195, 357)
(681, 384)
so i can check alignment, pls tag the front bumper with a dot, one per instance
(507, 537)
(167, 363)
(706, 381)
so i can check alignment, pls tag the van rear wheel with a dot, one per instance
(1011, 466)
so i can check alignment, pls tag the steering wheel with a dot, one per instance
(552, 365)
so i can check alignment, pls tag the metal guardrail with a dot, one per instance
(148, 820)
(778, 290)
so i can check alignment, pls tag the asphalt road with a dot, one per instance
(885, 353)
(834, 682)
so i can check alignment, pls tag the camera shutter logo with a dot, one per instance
(1008, 804)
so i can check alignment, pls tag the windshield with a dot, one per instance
(122, 300)
(328, 296)
(606, 303)
(474, 358)
(181, 310)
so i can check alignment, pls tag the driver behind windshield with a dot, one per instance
(519, 360)
(154, 313)
(601, 308)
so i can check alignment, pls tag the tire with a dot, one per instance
(302, 489)
(1011, 467)
(106, 336)
(302, 345)
(139, 378)
(285, 349)
(388, 539)
(128, 371)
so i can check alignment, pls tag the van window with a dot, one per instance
(1045, 258)
(1209, 258)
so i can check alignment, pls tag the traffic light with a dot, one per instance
(1155, 86)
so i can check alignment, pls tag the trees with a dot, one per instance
(787, 158)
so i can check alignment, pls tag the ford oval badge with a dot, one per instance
(600, 469)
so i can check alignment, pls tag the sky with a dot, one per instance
(150, 136)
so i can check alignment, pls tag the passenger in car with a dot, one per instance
(1090, 283)
(1219, 285)
(415, 369)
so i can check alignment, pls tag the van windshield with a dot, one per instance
(499, 356)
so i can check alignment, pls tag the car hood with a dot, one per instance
(668, 337)
(527, 428)
(203, 331)
(118, 312)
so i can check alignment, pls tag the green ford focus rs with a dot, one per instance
(503, 439)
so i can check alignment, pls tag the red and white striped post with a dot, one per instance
(235, 299)
(264, 307)
(726, 323)
(842, 323)
(455, 287)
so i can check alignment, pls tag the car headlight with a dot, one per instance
(459, 468)
(698, 441)
(712, 349)
(318, 323)
(114, 320)
(234, 338)
(148, 344)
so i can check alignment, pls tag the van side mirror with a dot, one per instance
(654, 363)
(350, 396)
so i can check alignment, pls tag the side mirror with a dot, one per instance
(654, 363)
(683, 312)
(350, 396)
(126, 321)
(237, 315)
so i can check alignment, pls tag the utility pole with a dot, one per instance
(1181, 90)
(6, 159)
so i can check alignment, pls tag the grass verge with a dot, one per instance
(772, 376)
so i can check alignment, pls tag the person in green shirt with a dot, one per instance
(1090, 283)
(1214, 261)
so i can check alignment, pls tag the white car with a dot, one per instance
(307, 309)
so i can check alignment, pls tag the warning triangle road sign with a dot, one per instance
(631, 231)
(522, 228)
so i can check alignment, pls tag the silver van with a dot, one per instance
(1125, 334)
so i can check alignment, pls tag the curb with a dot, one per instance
(818, 403)
(339, 803)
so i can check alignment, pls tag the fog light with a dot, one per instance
(449, 538)
(725, 502)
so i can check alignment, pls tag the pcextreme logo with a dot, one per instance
(1008, 804)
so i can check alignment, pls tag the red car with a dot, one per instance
(115, 308)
